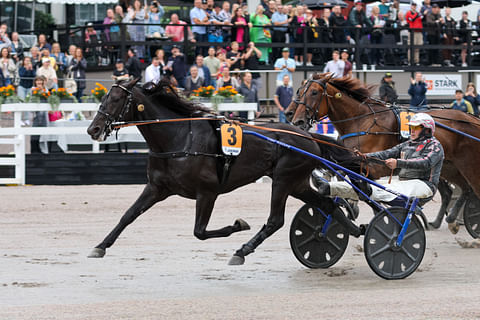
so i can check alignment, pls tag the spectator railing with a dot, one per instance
(119, 46)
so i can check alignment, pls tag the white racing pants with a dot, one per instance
(411, 188)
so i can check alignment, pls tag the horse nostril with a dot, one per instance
(93, 130)
(299, 123)
(289, 115)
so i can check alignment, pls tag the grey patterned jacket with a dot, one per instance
(421, 159)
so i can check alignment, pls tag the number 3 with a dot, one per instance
(233, 140)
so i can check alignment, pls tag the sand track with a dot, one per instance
(158, 270)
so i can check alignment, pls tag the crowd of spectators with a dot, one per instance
(41, 68)
(228, 39)
(228, 43)
(276, 23)
(221, 24)
(273, 23)
(19, 67)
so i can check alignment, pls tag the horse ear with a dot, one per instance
(329, 76)
(132, 82)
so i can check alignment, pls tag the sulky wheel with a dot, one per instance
(471, 216)
(313, 248)
(384, 257)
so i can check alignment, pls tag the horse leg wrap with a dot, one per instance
(452, 216)
(365, 187)
(251, 245)
(353, 229)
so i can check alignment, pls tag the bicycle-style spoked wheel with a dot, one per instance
(384, 257)
(310, 245)
(471, 216)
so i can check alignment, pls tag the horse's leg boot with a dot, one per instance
(365, 187)
(322, 185)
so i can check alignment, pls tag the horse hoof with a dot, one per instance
(434, 225)
(453, 227)
(243, 224)
(236, 261)
(468, 244)
(97, 253)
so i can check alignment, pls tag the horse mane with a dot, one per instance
(164, 93)
(335, 151)
(354, 87)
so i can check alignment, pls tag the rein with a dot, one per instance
(116, 125)
(291, 133)
(177, 154)
(119, 125)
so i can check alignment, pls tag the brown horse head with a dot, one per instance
(115, 106)
(314, 98)
(311, 99)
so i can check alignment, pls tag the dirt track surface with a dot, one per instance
(158, 270)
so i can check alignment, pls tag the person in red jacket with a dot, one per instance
(414, 20)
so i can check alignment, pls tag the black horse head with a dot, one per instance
(115, 106)
(127, 102)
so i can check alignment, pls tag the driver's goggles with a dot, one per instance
(415, 127)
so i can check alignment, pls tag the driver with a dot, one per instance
(419, 160)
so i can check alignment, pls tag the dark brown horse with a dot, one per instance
(186, 159)
(373, 126)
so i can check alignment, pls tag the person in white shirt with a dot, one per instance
(49, 73)
(335, 66)
(286, 65)
(152, 72)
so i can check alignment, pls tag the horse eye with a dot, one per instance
(314, 92)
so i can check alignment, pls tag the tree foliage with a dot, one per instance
(43, 20)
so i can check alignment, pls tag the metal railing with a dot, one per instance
(122, 42)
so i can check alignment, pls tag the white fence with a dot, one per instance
(18, 132)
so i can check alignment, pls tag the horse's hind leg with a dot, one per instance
(275, 221)
(204, 207)
(148, 198)
(453, 226)
(446, 195)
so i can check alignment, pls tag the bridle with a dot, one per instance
(111, 119)
(310, 110)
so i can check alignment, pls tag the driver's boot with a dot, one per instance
(322, 185)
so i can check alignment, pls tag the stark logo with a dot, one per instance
(429, 84)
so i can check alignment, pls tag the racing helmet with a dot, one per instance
(424, 120)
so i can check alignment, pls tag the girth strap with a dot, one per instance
(180, 154)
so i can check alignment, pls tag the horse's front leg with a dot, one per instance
(275, 221)
(446, 195)
(150, 195)
(204, 208)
